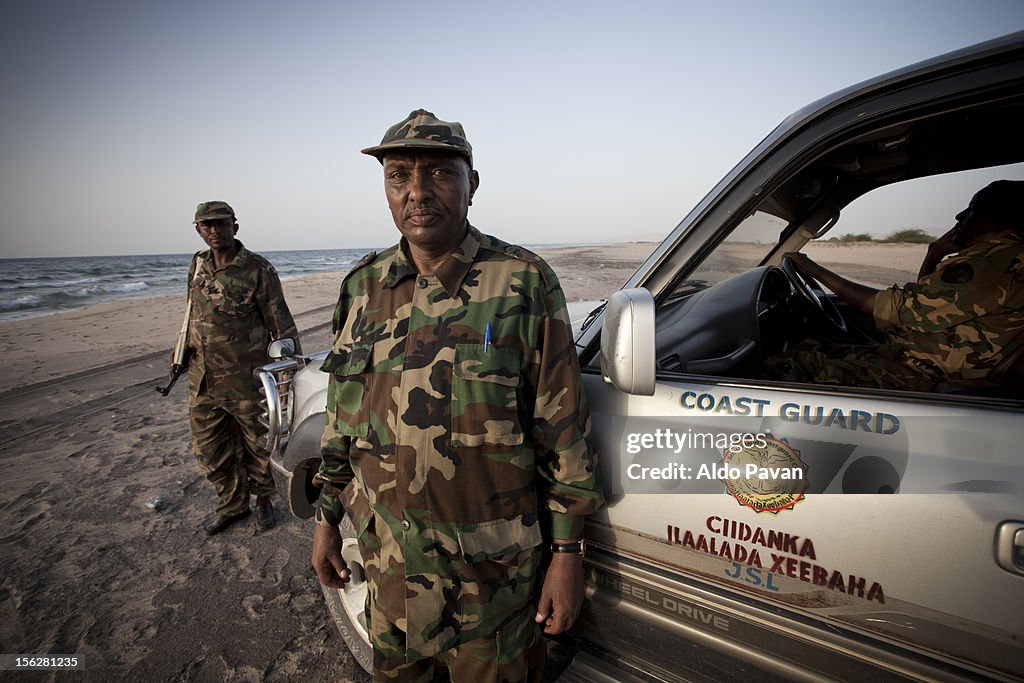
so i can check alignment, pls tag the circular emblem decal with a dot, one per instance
(769, 479)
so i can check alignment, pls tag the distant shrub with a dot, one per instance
(850, 237)
(910, 235)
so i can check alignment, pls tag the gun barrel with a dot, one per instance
(176, 371)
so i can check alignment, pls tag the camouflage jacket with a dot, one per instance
(461, 448)
(236, 311)
(957, 322)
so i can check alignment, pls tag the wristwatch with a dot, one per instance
(579, 547)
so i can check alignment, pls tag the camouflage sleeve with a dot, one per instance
(275, 309)
(335, 469)
(883, 310)
(960, 289)
(566, 458)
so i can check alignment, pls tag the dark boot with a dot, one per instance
(264, 513)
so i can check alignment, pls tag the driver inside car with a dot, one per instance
(959, 320)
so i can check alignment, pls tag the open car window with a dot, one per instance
(735, 316)
(882, 237)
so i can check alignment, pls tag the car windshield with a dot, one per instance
(744, 248)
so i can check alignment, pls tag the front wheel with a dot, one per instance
(347, 605)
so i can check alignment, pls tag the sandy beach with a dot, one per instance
(90, 566)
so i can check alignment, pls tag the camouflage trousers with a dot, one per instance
(515, 654)
(224, 435)
(876, 367)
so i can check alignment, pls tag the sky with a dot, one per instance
(590, 121)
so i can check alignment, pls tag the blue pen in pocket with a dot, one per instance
(487, 336)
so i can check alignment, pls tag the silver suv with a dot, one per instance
(896, 547)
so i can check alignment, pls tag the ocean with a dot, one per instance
(34, 287)
(42, 286)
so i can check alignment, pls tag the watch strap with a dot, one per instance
(577, 547)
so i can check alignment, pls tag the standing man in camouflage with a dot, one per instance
(457, 435)
(237, 309)
(964, 313)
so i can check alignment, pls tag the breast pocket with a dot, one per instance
(485, 386)
(352, 367)
(236, 303)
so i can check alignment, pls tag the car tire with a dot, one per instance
(347, 605)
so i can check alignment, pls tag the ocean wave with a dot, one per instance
(127, 287)
(20, 303)
(45, 282)
(100, 289)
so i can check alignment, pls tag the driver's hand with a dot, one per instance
(801, 261)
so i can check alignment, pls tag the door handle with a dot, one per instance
(1010, 547)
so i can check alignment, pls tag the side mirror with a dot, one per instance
(627, 342)
(281, 348)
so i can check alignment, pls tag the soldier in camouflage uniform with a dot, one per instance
(457, 432)
(238, 308)
(964, 314)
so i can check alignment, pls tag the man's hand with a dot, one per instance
(948, 244)
(562, 594)
(857, 295)
(802, 262)
(327, 561)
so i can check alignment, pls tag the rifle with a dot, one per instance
(182, 352)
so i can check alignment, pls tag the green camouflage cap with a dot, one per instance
(422, 130)
(210, 211)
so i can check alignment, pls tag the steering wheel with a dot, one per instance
(812, 293)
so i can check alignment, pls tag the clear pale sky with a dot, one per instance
(590, 121)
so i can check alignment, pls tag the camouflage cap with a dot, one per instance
(209, 211)
(422, 130)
